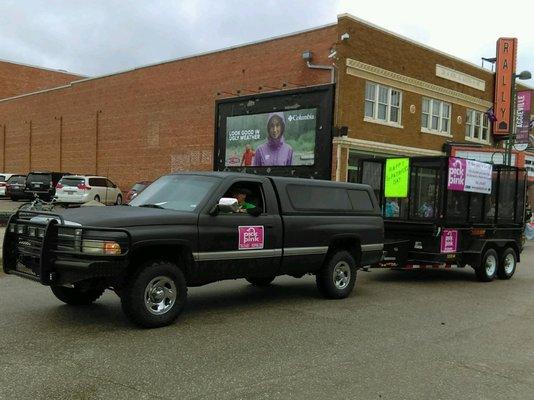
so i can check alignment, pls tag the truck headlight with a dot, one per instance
(103, 247)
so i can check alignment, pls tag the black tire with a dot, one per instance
(337, 277)
(260, 281)
(489, 265)
(119, 200)
(155, 281)
(77, 296)
(97, 198)
(507, 264)
(13, 198)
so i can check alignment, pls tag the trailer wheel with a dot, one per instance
(508, 263)
(260, 281)
(487, 270)
(337, 277)
(77, 296)
(155, 295)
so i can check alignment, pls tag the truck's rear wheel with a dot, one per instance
(155, 295)
(77, 296)
(260, 281)
(487, 270)
(338, 276)
(508, 263)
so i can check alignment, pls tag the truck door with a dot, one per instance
(236, 245)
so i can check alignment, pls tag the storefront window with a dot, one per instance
(424, 193)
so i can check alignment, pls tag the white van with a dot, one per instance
(82, 188)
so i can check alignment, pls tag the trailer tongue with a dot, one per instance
(446, 211)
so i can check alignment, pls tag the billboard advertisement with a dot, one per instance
(285, 133)
(277, 139)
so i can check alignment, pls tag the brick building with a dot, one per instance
(393, 96)
(17, 79)
(142, 123)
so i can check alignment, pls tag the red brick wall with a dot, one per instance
(154, 119)
(16, 79)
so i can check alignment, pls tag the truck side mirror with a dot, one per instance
(226, 205)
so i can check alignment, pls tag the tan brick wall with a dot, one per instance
(155, 119)
(16, 79)
(392, 53)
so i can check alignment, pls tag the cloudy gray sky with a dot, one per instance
(99, 37)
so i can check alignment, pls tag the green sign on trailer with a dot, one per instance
(397, 173)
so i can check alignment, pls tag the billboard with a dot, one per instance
(285, 133)
(506, 59)
(284, 138)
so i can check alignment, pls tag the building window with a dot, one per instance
(477, 126)
(436, 116)
(383, 103)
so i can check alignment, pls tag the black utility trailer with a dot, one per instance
(436, 225)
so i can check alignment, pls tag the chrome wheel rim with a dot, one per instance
(509, 264)
(491, 265)
(160, 295)
(341, 275)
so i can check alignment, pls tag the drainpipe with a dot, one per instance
(327, 67)
(308, 55)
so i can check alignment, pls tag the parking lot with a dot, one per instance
(401, 335)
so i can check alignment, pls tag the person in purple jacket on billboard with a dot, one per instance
(275, 152)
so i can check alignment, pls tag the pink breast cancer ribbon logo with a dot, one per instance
(251, 237)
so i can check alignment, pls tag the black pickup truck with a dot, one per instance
(190, 229)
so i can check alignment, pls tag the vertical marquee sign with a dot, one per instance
(506, 59)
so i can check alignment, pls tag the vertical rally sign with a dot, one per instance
(506, 60)
(251, 237)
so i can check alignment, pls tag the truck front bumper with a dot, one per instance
(44, 247)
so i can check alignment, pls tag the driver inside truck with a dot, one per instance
(240, 194)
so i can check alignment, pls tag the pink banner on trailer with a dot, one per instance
(469, 176)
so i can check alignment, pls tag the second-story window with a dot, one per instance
(477, 125)
(436, 116)
(383, 103)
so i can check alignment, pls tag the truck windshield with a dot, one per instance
(176, 192)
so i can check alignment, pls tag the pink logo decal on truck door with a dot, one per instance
(251, 237)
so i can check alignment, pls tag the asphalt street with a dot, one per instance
(401, 335)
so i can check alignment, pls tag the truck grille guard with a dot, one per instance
(35, 240)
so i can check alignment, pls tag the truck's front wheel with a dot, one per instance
(77, 296)
(155, 295)
(338, 276)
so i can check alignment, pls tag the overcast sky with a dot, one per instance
(99, 37)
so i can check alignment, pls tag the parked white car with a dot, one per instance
(3, 179)
(83, 188)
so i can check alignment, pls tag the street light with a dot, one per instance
(524, 75)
